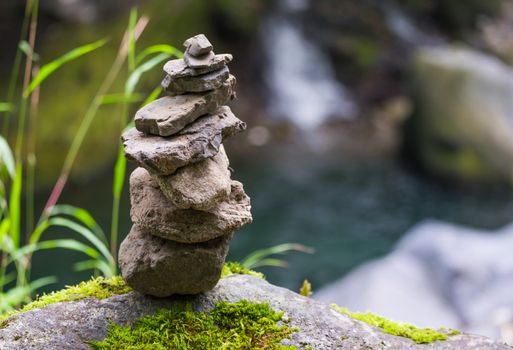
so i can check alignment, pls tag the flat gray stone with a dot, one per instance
(158, 267)
(201, 83)
(70, 325)
(178, 69)
(168, 115)
(198, 45)
(199, 186)
(197, 141)
(154, 213)
(203, 61)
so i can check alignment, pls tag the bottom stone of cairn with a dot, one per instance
(159, 267)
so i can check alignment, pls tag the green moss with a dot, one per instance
(306, 289)
(241, 325)
(231, 268)
(418, 335)
(98, 287)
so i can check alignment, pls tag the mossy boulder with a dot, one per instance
(463, 125)
(291, 320)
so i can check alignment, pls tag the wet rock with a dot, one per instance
(154, 213)
(464, 114)
(199, 186)
(71, 325)
(158, 267)
(170, 114)
(439, 274)
(201, 83)
(178, 69)
(203, 61)
(198, 45)
(197, 141)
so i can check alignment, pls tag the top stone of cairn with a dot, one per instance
(198, 45)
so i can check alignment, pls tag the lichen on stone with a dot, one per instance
(99, 287)
(240, 325)
(401, 329)
(234, 268)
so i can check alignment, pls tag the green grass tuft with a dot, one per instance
(99, 287)
(230, 326)
(233, 268)
(418, 335)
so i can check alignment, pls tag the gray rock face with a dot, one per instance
(179, 69)
(198, 141)
(201, 83)
(199, 186)
(202, 62)
(198, 45)
(439, 274)
(158, 267)
(468, 133)
(70, 325)
(170, 114)
(154, 213)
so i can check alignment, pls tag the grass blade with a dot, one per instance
(82, 216)
(24, 46)
(15, 206)
(66, 243)
(84, 232)
(132, 21)
(6, 107)
(140, 70)
(152, 96)
(255, 258)
(161, 48)
(7, 157)
(47, 69)
(94, 265)
(4, 228)
(270, 262)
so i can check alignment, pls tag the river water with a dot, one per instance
(349, 212)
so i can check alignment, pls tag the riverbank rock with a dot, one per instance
(464, 118)
(199, 186)
(439, 273)
(70, 325)
(183, 221)
(199, 140)
(154, 213)
(159, 267)
(170, 114)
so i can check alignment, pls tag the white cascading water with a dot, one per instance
(300, 77)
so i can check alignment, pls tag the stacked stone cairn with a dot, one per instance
(185, 207)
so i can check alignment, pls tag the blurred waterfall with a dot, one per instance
(301, 79)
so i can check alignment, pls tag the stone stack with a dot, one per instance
(185, 207)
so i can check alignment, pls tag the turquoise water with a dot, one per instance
(348, 212)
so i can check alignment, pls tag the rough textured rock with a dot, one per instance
(201, 83)
(178, 69)
(202, 62)
(158, 267)
(198, 45)
(198, 141)
(464, 124)
(170, 114)
(154, 213)
(439, 274)
(199, 186)
(69, 325)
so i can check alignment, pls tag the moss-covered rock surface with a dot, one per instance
(242, 311)
(240, 325)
